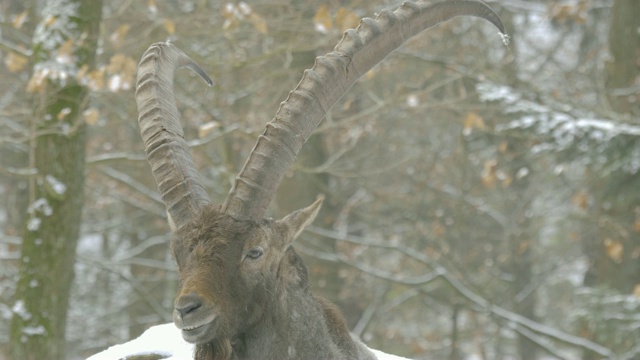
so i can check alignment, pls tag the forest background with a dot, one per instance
(482, 200)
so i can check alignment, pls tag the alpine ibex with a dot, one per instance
(243, 291)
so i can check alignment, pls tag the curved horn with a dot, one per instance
(323, 85)
(167, 151)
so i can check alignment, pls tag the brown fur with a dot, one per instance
(337, 326)
(263, 306)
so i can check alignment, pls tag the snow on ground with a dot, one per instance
(166, 340)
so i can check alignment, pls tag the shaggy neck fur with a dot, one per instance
(295, 325)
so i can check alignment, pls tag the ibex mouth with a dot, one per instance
(200, 332)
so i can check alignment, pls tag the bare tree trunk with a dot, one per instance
(65, 40)
(454, 354)
(521, 242)
(624, 68)
(619, 271)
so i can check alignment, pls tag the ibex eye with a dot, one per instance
(255, 253)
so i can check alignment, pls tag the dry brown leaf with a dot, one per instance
(169, 25)
(65, 52)
(614, 249)
(37, 82)
(523, 247)
(438, 230)
(151, 6)
(15, 62)
(207, 128)
(636, 290)
(505, 179)
(91, 116)
(94, 80)
(371, 73)
(231, 14)
(121, 70)
(322, 19)
(230, 24)
(115, 63)
(228, 11)
(574, 236)
(472, 121)
(346, 19)
(63, 113)
(489, 176)
(259, 23)
(50, 20)
(565, 13)
(244, 9)
(580, 200)
(503, 147)
(19, 19)
(117, 37)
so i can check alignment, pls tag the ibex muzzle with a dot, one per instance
(243, 290)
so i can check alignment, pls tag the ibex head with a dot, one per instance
(231, 269)
(230, 260)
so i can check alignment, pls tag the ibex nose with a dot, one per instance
(188, 303)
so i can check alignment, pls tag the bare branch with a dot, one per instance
(477, 300)
(131, 182)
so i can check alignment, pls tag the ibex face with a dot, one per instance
(230, 271)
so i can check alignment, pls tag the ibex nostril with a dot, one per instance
(188, 303)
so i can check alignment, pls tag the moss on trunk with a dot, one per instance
(52, 224)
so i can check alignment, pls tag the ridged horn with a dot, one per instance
(323, 85)
(167, 151)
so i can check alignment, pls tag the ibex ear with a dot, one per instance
(298, 220)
